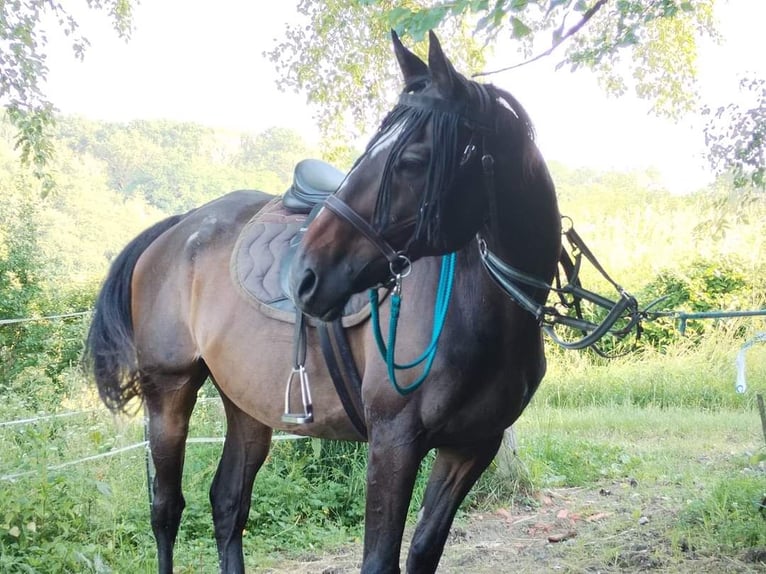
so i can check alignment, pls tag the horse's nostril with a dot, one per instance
(307, 285)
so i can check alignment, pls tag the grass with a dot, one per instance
(697, 376)
(669, 422)
(688, 472)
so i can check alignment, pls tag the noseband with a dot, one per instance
(479, 121)
(346, 213)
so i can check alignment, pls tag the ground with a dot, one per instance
(615, 527)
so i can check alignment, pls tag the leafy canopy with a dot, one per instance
(340, 55)
(23, 68)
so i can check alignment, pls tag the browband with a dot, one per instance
(481, 119)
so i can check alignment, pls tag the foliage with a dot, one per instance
(341, 57)
(736, 136)
(654, 42)
(685, 374)
(591, 422)
(23, 70)
(570, 461)
(701, 252)
(728, 513)
(176, 166)
(112, 181)
(701, 285)
(308, 498)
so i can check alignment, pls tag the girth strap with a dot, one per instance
(343, 372)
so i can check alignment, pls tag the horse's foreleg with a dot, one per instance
(391, 471)
(454, 472)
(169, 414)
(246, 446)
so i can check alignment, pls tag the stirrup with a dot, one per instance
(307, 416)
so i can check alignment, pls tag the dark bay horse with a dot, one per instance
(453, 168)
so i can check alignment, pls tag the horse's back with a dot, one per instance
(215, 223)
(167, 275)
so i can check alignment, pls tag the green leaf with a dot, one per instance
(397, 15)
(519, 28)
(553, 4)
(316, 447)
(580, 6)
(629, 39)
(521, 5)
(104, 488)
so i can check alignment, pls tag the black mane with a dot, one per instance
(446, 151)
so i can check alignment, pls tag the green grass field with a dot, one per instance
(670, 424)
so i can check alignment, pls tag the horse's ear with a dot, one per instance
(413, 68)
(443, 73)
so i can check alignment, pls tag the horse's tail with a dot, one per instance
(110, 352)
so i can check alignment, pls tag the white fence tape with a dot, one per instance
(63, 465)
(116, 451)
(46, 417)
(45, 318)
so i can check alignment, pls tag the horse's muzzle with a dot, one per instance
(316, 294)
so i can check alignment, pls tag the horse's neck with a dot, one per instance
(525, 230)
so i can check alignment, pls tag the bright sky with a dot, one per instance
(203, 62)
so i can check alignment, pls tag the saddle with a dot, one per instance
(261, 260)
(313, 181)
(259, 266)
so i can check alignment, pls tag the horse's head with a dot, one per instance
(417, 190)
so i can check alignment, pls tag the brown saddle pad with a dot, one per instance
(257, 263)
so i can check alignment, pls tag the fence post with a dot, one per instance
(762, 412)
(148, 458)
(741, 385)
(506, 456)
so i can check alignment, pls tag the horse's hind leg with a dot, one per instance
(244, 451)
(170, 404)
(454, 473)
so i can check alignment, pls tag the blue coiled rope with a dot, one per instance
(443, 294)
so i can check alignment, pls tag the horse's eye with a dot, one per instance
(412, 162)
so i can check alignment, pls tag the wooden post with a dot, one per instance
(762, 411)
(506, 456)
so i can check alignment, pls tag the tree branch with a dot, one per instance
(571, 32)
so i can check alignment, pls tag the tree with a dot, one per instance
(340, 57)
(275, 150)
(736, 136)
(23, 70)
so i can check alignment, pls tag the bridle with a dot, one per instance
(513, 282)
(478, 119)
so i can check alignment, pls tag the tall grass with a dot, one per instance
(699, 375)
(651, 416)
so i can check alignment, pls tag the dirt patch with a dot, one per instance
(619, 527)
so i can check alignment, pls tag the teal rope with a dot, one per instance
(441, 305)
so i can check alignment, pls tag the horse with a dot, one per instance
(453, 174)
